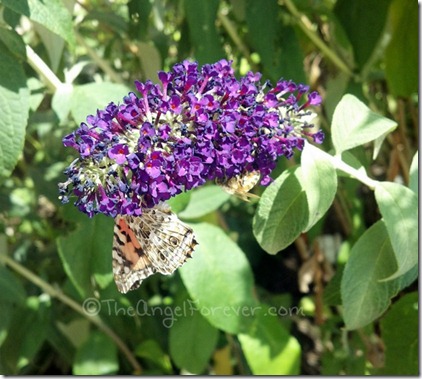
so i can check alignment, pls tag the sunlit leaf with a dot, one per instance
(282, 212)
(354, 124)
(219, 280)
(88, 98)
(319, 180)
(14, 105)
(399, 208)
(414, 174)
(192, 339)
(203, 201)
(269, 348)
(371, 259)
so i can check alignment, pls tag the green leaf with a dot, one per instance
(371, 259)
(399, 208)
(88, 98)
(151, 350)
(27, 332)
(402, 53)
(54, 16)
(192, 340)
(201, 16)
(276, 43)
(13, 42)
(282, 212)
(319, 179)
(355, 16)
(354, 124)
(86, 252)
(11, 289)
(203, 201)
(179, 202)
(14, 105)
(414, 174)
(400, 333)
(61, 102)
(97, 356)
(18, 6)
(219, 280)
(6, 317)
(269, 348)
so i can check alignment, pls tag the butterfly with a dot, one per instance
(240, 185)
(156, 241)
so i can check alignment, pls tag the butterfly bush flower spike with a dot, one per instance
(197, 125)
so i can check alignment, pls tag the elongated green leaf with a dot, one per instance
(219, 280)
(192, 340)
(276, 44)
(97, 356)
(355, 124)
(319, 180)
(87, 98)
(269, 348)
(203, 201)
(371, 259)
(11, 289)
(355, 16)
(401, 55)
(414, 174)
(399, 330)
(399, 208)
(201, 16)
(282, 212)
(14, 105)
(87, 252)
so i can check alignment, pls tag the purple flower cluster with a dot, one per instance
(198, 125)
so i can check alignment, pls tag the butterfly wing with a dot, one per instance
(130, 263)
(156, 241)
(171, 242)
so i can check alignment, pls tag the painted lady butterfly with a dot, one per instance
(156, 241)
(240, 185)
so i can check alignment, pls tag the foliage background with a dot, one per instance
(234, 308)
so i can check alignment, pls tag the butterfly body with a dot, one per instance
(156, 241)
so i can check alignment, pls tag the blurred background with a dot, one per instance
(60, 310)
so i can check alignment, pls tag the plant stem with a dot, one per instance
(306, 26)
(53, 292)
(50, 78)
(359, 175)
(232, 32)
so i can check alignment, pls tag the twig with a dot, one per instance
(231, 31)
(306, 26)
